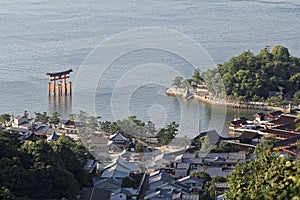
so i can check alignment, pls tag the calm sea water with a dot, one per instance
(37, 37)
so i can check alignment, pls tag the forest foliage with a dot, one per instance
(41, 169)
(269, 176)
(272, 75)
(131, 126)
(250, 77)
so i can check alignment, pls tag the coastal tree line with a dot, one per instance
(131, 127)
(272, 75)
(250, 77)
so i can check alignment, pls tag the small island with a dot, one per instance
(269, 80)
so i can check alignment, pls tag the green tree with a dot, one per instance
(54, 119)
(177, 82)
(250, 77)
(298, 124)
(296, 97)
(41, 153)
(41, 117)
(167, 134)
(26, 115)
(275, 100)
(6, 194)
(214, 82)
(221, 179)
(4, 119)
(115, 128)
(205, 144)
(187, 82)
(73, 157)
(139, 148)
(105, 126)
(225, 147)
(265, 54)
(150, 127)
(267, 177)
(92, 123)
(72, 117)
(197, 78)
(209, 190)
(132, 181)
(40, 170)
(204, 176)
(132, 126)
(280, 53)
(9, 138)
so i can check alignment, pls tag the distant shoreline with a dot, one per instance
(179, 92)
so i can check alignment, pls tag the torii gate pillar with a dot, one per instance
(62, 86)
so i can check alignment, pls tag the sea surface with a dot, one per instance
(37, 37)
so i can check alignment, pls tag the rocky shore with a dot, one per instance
(229, 103)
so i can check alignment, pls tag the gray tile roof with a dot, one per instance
(189, 155)
(183, 166)
(161, 176)
(214, 171)
(97, 194)
(118, 136)
(190, 179)
(107, 180)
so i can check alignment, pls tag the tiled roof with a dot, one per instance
(19, 130)
(287, 119)
(160, 193)
(287, 141)
(183, 166)
(214, 171)
(281, 132)
(118, 136)
(248, 135)
(97, 194)
(161, 176)
(275, 113)
(190, 179)
(119, 168)
(107, 180)
(189, 155)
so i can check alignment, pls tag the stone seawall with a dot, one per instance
(214, 101)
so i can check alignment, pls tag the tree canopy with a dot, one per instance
(178, 81)
(4, 119)
(41, 117)
(252, 77)
(54, 119)
(298, 125)
(166, 135)
(41, 170)
(269, 176)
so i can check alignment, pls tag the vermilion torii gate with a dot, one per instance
(62, 85)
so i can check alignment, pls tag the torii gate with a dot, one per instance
(61, 86)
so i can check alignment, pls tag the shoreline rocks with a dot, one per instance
(178, 92)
